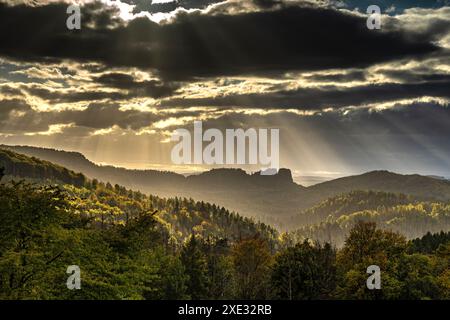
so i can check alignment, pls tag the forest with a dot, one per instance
(332, 219)
(139, 257)
(129, 245)
(276, 200)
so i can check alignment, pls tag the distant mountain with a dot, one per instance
(307, 181)
(253, 195)
(421, 186)
(273, 199)
(438, 177)
(328, 219)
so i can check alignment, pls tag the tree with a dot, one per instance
(429, 242)
(416, 276)
(30, 219)
(252, 260)
(195, 266)
(442, 262)
(365, 241)
(168, 281)
(305, 271)
(220, 269)
(366, 245)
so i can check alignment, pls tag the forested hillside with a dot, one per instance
(107, 205)
(347, 203)
(332, 219)
(134, 246)
(44, 231)
(16, 164)
(329, 221)
(272, 199)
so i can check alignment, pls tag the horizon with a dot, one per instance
(306, 179)
(350, 99)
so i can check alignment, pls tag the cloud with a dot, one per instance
(151, 88)
(324, 97)
(169, 6)
(348, 98)
(12, 106)
(72, 95)
(195, 45)
(351, 75)
(17, 116)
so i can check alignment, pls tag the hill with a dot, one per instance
(272, 199)
(414, 184)
(108, 205)
(19, 165)
(245, 193)
(347, 203)
(124, 249)
(332, 219)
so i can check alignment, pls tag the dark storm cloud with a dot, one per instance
(357, 75)
(429, 119)
(10, 91)
(9, 105)
(408, 76)
(396, 5)
(127, 87)
(148, 6)
(106, 115)
(96, 116)
(165, 7)
(418, 118)
(101, 116)
(150, 88)
(267, 3)
(74, 95)
(324, 97)
(198, 45)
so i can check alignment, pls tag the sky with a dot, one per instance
(346, 99)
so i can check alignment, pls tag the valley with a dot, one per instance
(132, 245)
(272, 199)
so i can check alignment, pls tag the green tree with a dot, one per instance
(416, 276)
(442, 263)
(220, 269)
(30, 219)
(196, 268)
(305, 271)
(366, 245)
(252, 261)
